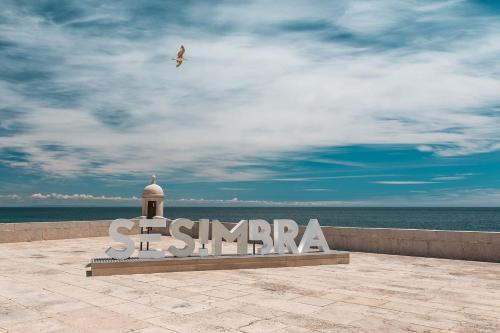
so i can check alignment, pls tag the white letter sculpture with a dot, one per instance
(203, 232)
(239, 232)
(118, 237)
(145, 238)
(313, 236)
(260, 230)
(188, 249)
(285, 239)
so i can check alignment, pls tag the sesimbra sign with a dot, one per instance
(285, 232)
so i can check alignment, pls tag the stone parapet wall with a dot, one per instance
(37, 231)
(465, 245)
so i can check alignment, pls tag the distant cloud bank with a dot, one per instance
(60, 196)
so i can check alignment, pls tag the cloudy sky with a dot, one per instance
(284, 102)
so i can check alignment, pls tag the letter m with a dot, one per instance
(239, 233)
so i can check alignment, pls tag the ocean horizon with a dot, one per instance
(433, 218)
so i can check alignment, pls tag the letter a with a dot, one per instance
(313, 236)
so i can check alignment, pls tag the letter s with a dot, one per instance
(118, 237)
(188, 249)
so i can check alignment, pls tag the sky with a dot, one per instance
(324, 103)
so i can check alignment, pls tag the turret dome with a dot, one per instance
(153, 190)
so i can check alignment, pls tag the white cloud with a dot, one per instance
(449, 178)
(425, 148)
(319, 178)
(318, 189)
(235, 202)
(40, 196)
(245, 96)
(59, 196)
(338, 162)
(10, 196)
(369, 17)
(402, 182)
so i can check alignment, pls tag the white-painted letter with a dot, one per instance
(285, 239)
(203, 232)
(313, 236)
(260, 230)
(188, 249)
(149, 223)
(239, 232)
(118, 237)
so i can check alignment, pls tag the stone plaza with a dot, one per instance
(43, 288)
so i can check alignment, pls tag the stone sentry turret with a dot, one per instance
(152, 200)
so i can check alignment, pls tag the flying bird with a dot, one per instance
(180, 56)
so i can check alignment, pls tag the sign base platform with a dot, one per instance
(108, 266)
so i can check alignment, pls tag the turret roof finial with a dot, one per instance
(153, 179)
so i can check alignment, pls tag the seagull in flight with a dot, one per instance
(180, 56)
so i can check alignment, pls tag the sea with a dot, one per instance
(471, 219)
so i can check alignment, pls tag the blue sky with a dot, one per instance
(327, 103)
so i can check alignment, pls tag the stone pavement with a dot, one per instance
(43, 288)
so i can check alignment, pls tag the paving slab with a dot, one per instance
(43, 288)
